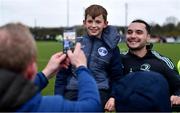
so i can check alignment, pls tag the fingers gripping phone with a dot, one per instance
(69, 39)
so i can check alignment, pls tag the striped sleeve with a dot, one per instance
(164, 59)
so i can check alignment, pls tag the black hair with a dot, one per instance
(148, 27)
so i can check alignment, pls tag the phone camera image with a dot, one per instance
(69, 39)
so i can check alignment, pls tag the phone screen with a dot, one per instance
(69, 39)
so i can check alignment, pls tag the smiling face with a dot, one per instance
(137, 36)
(95, 26)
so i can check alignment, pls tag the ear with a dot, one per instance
(84, 22)
(105, 24)
(31, 71)
(148, 38)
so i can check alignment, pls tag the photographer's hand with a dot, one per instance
(77, 58)
(56, 62)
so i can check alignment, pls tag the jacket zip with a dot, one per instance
(89, 57)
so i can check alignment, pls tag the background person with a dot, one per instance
(66, 43)
(18, 70)
(178, 66)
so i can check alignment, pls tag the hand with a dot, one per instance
(175, 100)
(77, 58)
(110, 105)
(56, 62)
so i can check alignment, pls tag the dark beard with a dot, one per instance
(136, 49)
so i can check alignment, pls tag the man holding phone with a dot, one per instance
(18, 75)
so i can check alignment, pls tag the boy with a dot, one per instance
(102, 53)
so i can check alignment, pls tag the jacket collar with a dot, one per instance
(148, 54)
(111, 36)
(149, 49)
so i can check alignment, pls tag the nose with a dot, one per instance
(133, 34)
(93, 24)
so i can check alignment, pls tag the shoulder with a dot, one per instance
(165, 59)
(115, 51)
(83, 39)
(111, 36)
(79, 39)
(124, 53)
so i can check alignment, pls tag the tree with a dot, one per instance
(171, 20)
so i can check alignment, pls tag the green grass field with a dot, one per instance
(46, 49)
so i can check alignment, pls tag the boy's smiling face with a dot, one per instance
(95, 26)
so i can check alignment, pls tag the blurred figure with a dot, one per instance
(66, 43)
(18, 70)
(178, 66)
(142, 92)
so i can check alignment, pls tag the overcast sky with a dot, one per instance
(53, 13)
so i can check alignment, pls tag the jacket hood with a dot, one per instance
(15, 90)
(111, 36)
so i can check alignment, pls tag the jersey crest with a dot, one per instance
(102, 51)
(145, 67)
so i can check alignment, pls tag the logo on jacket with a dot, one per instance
(102, 51)
(145, 67)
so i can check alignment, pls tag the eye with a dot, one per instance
(89, 21)
(129, 32)
(139, 32)
(98, 21)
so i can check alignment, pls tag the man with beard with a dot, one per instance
(141, 59)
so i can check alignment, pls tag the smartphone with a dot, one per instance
(69, 39)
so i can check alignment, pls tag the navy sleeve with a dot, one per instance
(173, 79)
(116, 70)
(40, 80)
(168, 69)
(60, 82)
(88, 97)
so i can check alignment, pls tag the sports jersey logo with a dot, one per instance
(102, 51)
(145, 67)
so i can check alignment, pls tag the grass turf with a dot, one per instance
(47, 48)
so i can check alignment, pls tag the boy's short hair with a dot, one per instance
(96, 10)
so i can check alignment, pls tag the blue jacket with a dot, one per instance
(88, 100)
(103, 61)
